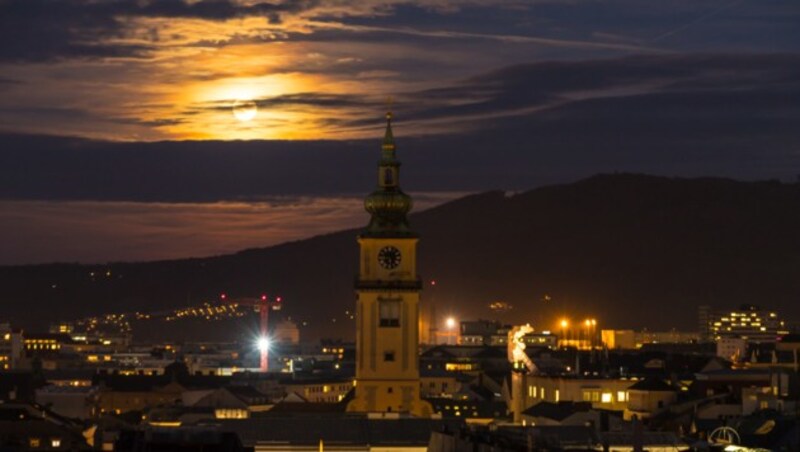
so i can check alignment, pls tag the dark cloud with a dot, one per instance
(151, 123)
(6, 83)
(310, 99)
(542, 85)
(516, 89)
(42, 30)
(733, 116)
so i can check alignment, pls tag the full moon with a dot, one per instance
(245, 110)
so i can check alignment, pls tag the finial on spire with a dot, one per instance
(389, 103)
(388, 205)
(388, 146)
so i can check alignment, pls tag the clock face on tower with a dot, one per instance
(389, 257)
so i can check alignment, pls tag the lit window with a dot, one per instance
(606, 397)
(34, 442)
(622, 396)
(56, 442)
(557, 395)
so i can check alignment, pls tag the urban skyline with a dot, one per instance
(414, 225)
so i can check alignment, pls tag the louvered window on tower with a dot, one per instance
(389, 313)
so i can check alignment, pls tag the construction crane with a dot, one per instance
(262, 305)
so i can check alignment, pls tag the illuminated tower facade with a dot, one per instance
(387, 305)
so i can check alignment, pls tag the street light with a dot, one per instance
(263, 344)
(564, 325)
(450, 323)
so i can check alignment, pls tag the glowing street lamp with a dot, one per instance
(450, 323)
(564, 323)
(263, 344)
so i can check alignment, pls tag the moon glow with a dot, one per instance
(244, 110)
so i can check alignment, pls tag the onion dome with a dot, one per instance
(388, 205)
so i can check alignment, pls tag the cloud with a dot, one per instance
(41, 30)
(514, 128)
(36, 231)
(308, 99)
(165, 69)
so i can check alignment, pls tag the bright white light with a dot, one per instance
(451, 323)
(263, 343)
(245, 110)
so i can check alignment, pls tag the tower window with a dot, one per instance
(389, 313)
(388, 356)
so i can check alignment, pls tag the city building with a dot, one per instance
(286, 332)
(630, 339)
(27, 427)
(45, 344)
(319, 390)
(388, 291)
(465, 359)
(11, 347)
(649, 397)
(749, 322)
(229, 402)
(618, 339)
(732, 348)
(604, 393)
(74, 402)
(665, 337)
(62, 327)
(483, 332)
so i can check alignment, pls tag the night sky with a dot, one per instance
(119, 139)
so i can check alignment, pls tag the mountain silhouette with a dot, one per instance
(631, 250)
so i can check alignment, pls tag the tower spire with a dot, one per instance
(388, 205)
(388, 146)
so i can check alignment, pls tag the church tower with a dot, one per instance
(387, 299)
